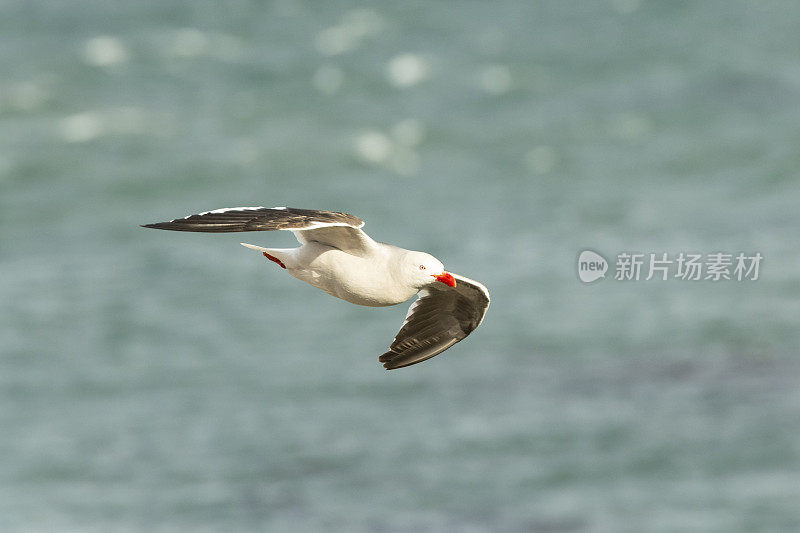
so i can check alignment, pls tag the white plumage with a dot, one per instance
(336, 256)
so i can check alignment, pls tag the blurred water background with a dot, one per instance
(159, 381)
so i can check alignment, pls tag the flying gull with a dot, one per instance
(335, 255)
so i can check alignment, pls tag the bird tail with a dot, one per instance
(254, 247)
(276, 255)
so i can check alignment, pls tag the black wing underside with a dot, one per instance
(258, 219)
(438, 319)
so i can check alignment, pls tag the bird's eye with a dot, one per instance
(422, 267)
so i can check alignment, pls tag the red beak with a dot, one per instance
(446, 278)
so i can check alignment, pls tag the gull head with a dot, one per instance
(423, 269)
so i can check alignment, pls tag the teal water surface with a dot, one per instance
(159, 381)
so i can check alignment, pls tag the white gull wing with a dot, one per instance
(440, 317)
(340, 230)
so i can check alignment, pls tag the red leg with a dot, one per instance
(274, 259)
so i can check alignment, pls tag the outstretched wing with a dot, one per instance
(340, 230)
(439, 318)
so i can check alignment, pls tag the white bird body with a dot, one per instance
(335, 255)
(361, 280)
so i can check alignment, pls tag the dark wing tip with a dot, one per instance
(386, 359)
(398, 359)
(393, 361)
(164, 225)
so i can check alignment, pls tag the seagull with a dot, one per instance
(337, 256)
